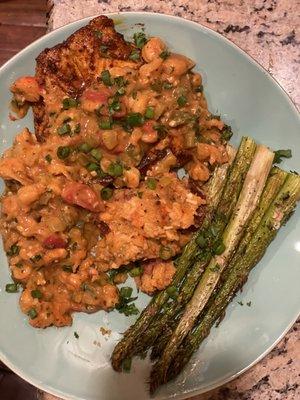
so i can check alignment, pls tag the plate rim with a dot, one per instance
(177, 396)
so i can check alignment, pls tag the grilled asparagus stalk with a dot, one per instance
(247, 202)
(248, 255)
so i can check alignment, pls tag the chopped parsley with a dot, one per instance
(76, 335)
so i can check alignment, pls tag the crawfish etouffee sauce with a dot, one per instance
(93, 194)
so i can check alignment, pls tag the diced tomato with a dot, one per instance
(93, 99)
(81, 195)
(54, 242)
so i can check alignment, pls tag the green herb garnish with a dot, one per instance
(106, 78)
(165, 252)
(14, 250)
(164, 54)
(151, 183)
(181, 101)
(85, 147)
(139, 39)
(64, 129)
(69, 103)
(135, 119)
(115, 169)
(106, 193)
(63, 152)
(36, 258)
(48, 158)
(96, 153)
(11, 288)
(36, 294)
(149, 113)
(32, 313)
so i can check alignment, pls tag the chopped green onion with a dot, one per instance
(64, 129)
(199, 89)
(67, 268)
(48, 158)
(120, 81)
(151, 183)
(121, 91)
(36, 294)
(36, 258)
(181, 101)
(226, 132)
(126, 292)
(77, 128)
(92, 166)
(32, 313)
(156, 86)
(63, 152)
(103, 48)
(11, 288)
(115, 169)
(105, 124)
(149, 112)
(165, 253)
(164, 54)
(135, 119)
(98, 33)
(114, 106)
(129, 309)
(139, 39)
(136, 271)
(167, 85)
(106, 78)
(96, 153)
(14, 250)
(279, 154)
(135, 55)
(69, 103)
(106, 193)
(85, 147)
(161, 130)
(126, 365)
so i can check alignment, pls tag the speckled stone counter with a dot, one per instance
(268, 30)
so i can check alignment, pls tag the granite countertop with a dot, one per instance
(268, 30)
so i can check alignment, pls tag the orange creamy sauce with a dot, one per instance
(101, 190)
